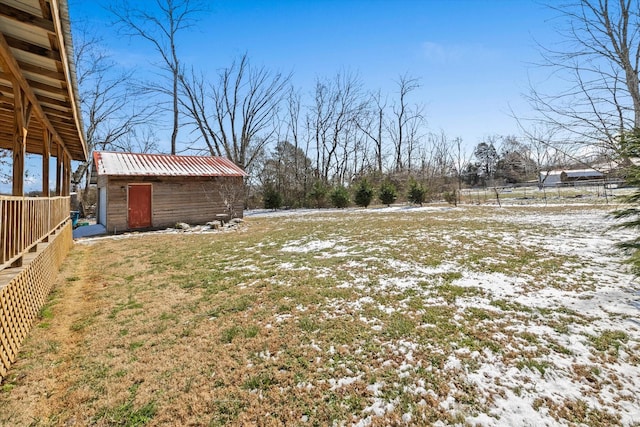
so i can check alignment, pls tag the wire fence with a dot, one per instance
(597, 191)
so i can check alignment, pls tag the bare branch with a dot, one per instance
(235, 115)
(160, 26)
(599, 56)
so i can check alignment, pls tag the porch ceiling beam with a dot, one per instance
(52, 101)
(26, 17)
(48, 88)
(10, 65)
(58, 90)
(35, 69)
(32, 48)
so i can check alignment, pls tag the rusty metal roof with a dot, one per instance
(36, 58)
(134, 164)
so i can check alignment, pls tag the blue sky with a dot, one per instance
(473, 57)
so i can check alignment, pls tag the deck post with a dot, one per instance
(59, 171)
(67, 175)
(22, 109)
(22, 114)
(46, 156)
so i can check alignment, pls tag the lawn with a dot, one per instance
(476, 315)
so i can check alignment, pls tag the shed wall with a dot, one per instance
(194, 200)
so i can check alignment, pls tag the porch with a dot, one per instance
(39, 115)
(35, 237)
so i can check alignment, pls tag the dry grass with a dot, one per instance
(379, 318)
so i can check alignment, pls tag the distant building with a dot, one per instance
(144, 191)
(562, 177)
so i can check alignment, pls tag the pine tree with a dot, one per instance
(319, 193)
(388, 193)
(340, 197)
(630, 215)
(364, 194)
(272, 198)
(417, 192)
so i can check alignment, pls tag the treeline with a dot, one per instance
(289, 177)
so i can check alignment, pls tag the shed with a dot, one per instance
(551, 178)
(145, 191)
(581, 175)
(564, 177)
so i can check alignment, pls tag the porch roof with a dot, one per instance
(36, 55)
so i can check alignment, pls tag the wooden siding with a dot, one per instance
(194, 200)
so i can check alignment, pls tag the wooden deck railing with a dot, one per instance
(27, 221)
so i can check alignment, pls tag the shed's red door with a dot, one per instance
(139, 205)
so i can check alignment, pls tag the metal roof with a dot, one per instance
(581, 173)
(574, 173)
(134, 164)
(36, 56)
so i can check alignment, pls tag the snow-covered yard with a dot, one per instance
(521, 315)
(565, 343)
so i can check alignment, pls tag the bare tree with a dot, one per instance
(372, 124)
(5, 166)
(403, 123)
(293, 118)
(350, 160)
(235, 115)
(232, 196)
(515, 164)
(318, 122)
(294, 111)
(112, 113)
(600, 56)
(140, 140)
(286, 171)
(460, 161)
(349, 105)
(339, 104)
(160, 27)
(413, 135)
(362, 161)
(437, 162)
(538, 140)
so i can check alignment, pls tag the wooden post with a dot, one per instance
(66, 174)
(63, 180)
(46, 159)
(22, 113)
(59, 171)
(46, 156)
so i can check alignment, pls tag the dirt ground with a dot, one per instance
(44, 369)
